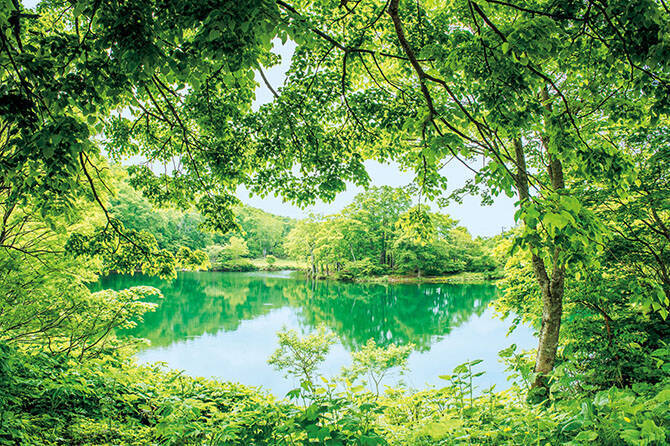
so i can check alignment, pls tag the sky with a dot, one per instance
(479, 219)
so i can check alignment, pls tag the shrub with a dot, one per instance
(361, 268)
(237, 265)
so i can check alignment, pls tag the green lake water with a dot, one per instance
(223, 325)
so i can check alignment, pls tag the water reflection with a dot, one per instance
(205, 303)
(388, 313)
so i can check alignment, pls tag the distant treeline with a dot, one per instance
(260, 234)
(381, 232)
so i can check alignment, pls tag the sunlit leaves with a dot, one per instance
(301, 356)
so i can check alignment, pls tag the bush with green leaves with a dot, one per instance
(460, 413)
(350, 270)
(301, 356)
(53, 399)
(377, 362)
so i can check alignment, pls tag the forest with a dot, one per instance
(257, 234)
(369, 238)
(127, 128)
(375, 235)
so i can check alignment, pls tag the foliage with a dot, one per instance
(564, 104)
(234, 249)
(191, 260)
(614, 325)
(47, 303)
(376, 362)
(172, 227)
(377, 235)
(458, 414)
(230, 257)
(54, 400)
(542, 100)
(78, 74)
(301, 357)
(263, 232)
(447, 416)
(46, 265)
(350, 270)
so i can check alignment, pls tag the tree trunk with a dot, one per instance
(552, 288)
(313, 265)
(552, 310)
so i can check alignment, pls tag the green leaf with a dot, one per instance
(554, 220)
(587, 436)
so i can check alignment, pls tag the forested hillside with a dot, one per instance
(257, 233)
(373, 236)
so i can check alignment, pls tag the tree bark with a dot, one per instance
(382, 257)
(313, 265)
(552, 288)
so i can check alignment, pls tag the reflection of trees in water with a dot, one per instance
(389, 314)
(199, 303)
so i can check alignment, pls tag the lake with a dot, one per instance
(223, 325)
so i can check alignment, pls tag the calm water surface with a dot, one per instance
(223, 325)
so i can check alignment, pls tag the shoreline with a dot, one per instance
(290, 265)
(459, 278)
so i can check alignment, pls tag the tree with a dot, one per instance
(302, 356)
(45, 301)
(301, 241)
(429, 243)
(377, 362)
(171, 227)
(640, 220)
(378, 209)
(263, 232)
(542, 94)
(171, 83)
(235, 249)
(380, 234)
